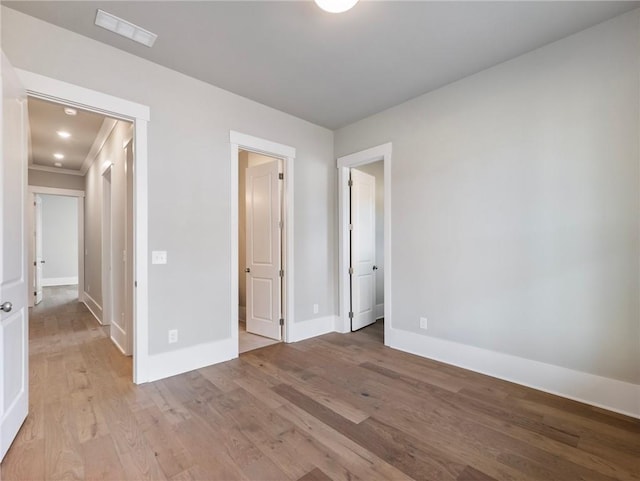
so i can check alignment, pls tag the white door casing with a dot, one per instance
(55, 90)
(129, 266)
(344, 164)
(363, 249)
(14, 389)
(107, 271)
(37, 233)
(34, 190)
(263, 251)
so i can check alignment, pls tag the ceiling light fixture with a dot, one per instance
(336, 6)
(58, 164)
(58, 156)
(70, 111)
(126, 29)
(63, 134)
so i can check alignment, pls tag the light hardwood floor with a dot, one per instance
(248, 341)
(340, 407)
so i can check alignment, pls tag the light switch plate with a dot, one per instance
(159, 257)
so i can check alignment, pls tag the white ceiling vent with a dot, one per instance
(124, 28)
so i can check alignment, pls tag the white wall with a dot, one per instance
(189, 172)
(112, 152)
(59, 240)
(515, 211)
(41, 178)
(377, 170)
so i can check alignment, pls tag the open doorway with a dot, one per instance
(81, 162)
(56, 244)
(273, 219)
(365, 235)
(260, 249)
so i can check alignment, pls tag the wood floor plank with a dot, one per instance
(315, 475)
(383, 440)
(101, 460)
(171, 455)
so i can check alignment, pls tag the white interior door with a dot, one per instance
(363, 249)
(14, 386)
(39, 261)
(264, 251)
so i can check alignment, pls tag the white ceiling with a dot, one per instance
(45, 119)
(325, 68)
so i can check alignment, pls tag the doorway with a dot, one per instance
(132, 148)
(57, 241)
(364, 238)
(261, 240)
(89, 150)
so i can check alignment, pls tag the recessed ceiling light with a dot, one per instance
(336, 6)
(126, 29)
(58, 164)
(63, 134)
(58, 156)
(70, 111)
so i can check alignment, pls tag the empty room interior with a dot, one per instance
(320, 240)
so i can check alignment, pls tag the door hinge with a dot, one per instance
(281, 321)
(351, 271)
(350, 314)
(35, 293)
(135, 283)
(350, 226)
(350, 183)
(281, 273)
(281, 176)
(35, 263)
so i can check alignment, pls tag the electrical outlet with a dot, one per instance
(159, 257)
(173, 336)
(316, 308)
(423, 323)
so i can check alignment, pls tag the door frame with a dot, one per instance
(239, 141)
(65, 93)
(381, 152)
(106, 247)
(79, 195)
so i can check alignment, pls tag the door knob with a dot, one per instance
(6, 306)
(247, 270)
(375, 268)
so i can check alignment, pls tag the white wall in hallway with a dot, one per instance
(59, 240)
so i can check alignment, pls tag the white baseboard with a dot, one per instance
(611, 394)
(93, 306)
(299, 331)
(379, 311)
(167, 364)
(118, 337)
(242, 313)
(59, 281)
